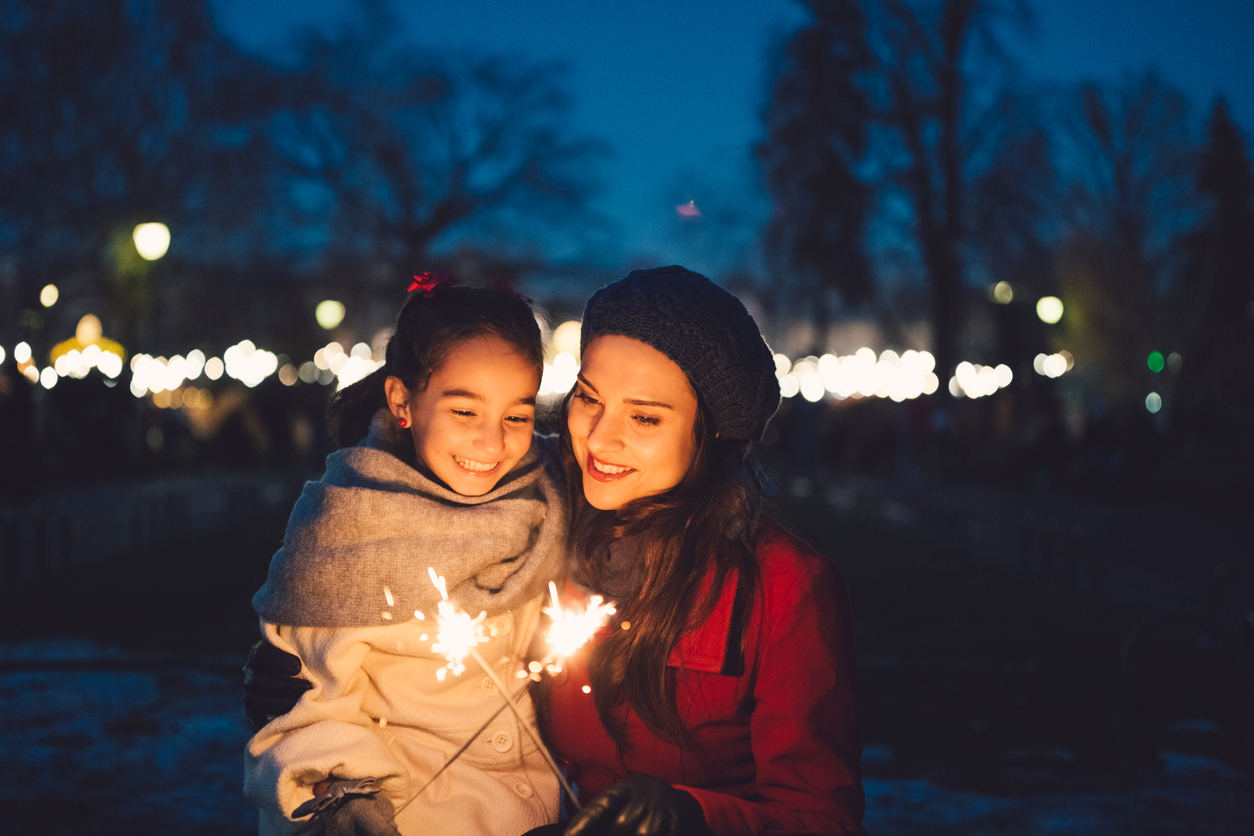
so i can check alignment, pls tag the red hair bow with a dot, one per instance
(503, 286)
(428, 282)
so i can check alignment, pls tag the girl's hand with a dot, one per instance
(272, 685)
(640, 805)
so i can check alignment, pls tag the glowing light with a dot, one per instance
(559, 375)
(195, 363)
(308, 372)
(1052, 365)
(214, 368)
(88, 330)
(1153, 402)
(48, 377)
(587, 689)
(789, 386)
(566, 338)
(248, 364)
(152, 240)
(1156, 362)
(329, 313)
(1002, 293)
(1049, 309)
(688, 210)
(288, 375)
(2, 354)
(572, 628)
(49, 295)
(782, 365)
(458, 633)
(1174, 361)
(21, 353)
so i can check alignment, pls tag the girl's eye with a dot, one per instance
(464, 413)
(518, 419)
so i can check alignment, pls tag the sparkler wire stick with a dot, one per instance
(450, 761)
(544, 750)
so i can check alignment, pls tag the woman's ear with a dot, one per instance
(398, 398)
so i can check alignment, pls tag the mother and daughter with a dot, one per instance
(720, 697)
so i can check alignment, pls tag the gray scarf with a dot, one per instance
(373, 524)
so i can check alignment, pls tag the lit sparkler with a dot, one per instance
(458, 633)
(572, 629)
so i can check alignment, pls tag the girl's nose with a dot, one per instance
(491, 438)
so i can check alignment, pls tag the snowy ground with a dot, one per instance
(102, 742)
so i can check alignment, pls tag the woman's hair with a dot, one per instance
(428, 329)
(708, 523)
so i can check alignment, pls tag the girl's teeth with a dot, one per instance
(609, 468)
(478, 467)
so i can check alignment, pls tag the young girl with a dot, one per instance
(445, 477)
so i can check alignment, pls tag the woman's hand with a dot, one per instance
(640, 805)
(272, 686)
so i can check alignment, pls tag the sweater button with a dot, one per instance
(523, 789)
(501, 625)
(487, 687)
(502, 742)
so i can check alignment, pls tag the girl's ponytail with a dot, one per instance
(353, 408)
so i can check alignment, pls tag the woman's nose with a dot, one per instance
(603, 435)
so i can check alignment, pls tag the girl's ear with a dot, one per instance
(398, 398)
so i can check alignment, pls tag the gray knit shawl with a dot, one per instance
(373, 524)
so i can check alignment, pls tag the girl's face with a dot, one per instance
(473, 422)
(632, 422)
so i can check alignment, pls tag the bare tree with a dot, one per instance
(393, 150)
(933, 54)
(1126, 157)
(817, 122)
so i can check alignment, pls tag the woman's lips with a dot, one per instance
(602, 475)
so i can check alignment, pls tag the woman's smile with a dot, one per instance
(606, 472)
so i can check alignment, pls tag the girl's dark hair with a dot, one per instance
(708, 523)
(428, 329)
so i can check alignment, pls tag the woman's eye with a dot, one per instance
(647, 419)
(586, 398)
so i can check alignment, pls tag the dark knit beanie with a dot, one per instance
(705, 330)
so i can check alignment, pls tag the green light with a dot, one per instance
(1155, 361)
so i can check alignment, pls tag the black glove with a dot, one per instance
(271, 684)
(640, 805)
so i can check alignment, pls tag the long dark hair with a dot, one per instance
(706, 524)
(427, 331)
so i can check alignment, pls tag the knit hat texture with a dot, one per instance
(705, 330)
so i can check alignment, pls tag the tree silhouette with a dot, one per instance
(817, 122)
(1216, 294)
(392, 149)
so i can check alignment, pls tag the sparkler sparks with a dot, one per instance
(572, 629)
(458, 633)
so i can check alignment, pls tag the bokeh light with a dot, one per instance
(1153, 402)
(152, 240)
(1002, 293)
(1155, 361)
(49, 295)
(329, 313)
(566, 338)
(1049, 309)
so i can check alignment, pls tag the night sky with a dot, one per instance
(676, 86)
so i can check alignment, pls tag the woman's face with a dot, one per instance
(473, 422)
(632, 422)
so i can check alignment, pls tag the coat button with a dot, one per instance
(502, 742)
(487, 687)
(501, 625)
(524, 789)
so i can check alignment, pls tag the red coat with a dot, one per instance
(782, 740)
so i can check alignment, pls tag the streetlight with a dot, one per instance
(151, 240)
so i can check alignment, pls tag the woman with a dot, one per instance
(722, 698)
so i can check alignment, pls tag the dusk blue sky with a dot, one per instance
(677, 86)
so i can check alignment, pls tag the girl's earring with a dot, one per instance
(403, 421)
